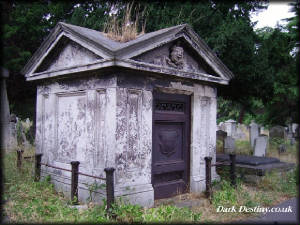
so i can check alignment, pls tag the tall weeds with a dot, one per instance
(123, 30)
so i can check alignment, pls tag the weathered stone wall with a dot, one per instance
(106, 121)
(76, 122)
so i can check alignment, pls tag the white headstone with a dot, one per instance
(229, 145)
(230, 127)
(260, 145)
(295, 129)
(254, 132)
(295, 126)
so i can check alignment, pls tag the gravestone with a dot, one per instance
(221, 135)
(260, 145)
(230, 127)
(13, 132)
(4, 111)
(254, 132)
(241, 132)
(229, 145)
(295, 130)
(278, 132)
(221, 126)
(281, 148)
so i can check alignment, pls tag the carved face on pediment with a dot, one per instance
(176, 56)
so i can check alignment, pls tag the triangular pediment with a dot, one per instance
(178, 55)
(66, 54)
(177, 51)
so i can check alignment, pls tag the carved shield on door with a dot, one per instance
(168, 141)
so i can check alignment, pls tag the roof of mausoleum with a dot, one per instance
(177, 51)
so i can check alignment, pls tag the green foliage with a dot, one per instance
(275, 141)
(169, 214)
(243, 147)
(264, 61)
(92, 188)
(38, 202)
(284, 183)
(227, 110)
(226, 197)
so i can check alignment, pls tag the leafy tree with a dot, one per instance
(261, 61)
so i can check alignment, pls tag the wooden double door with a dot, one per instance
(170, 152)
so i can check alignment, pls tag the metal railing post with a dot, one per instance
(37, 173)
(110, 187)
(74, 182)
(19, 159)
(208, 177)
(232, 169)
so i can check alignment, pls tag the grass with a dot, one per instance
(271, 190)
(291, 154)
(125, 30)
(27, 201)
(38, 202)
(243, 147)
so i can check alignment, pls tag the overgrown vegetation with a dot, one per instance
(36, 202)
(264, 61)
(243, 147)
(272, 189)
(124, 29)
(29, 201)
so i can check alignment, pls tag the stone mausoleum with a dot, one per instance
(146, 107)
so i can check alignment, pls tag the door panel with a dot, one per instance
(170, 156)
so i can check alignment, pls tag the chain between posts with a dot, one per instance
(74, 181)
(209, 165)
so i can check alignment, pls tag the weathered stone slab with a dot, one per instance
(254, 132)
(295, 130)
(221, 135)
(230, 127)
(260, 145)
(278, 132)
(229, 145)
(241, 133)
(248, 159)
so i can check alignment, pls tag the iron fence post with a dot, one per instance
(232, 169)
(38, 159)
(74, 182)
(208, 177)
(19, 158)
(110, 187)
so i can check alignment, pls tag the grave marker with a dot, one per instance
(260, 145)
(254, 132)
